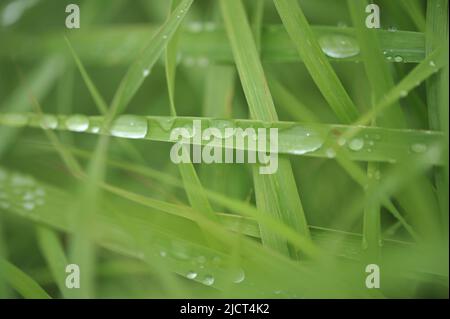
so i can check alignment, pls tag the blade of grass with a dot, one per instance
(136, 73)
(392, 145)
(40, 81)
(53, 251)
(437, 94)
(104, 46)
(21, 282)
(195, 193)
(276, 194)
(315, 61)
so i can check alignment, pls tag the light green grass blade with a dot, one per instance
(413, 7)
(21, 282)
(308, 139)
(143, 64)
(104, 46)
(432, 64)
(276, 194)
(437, 94)
(39, 82)
(193, 188)
(54, 254)
(315, 61)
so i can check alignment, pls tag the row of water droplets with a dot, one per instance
(20, 192)
(126, 126)
(137, 127)
(197, 266)
(367, 142)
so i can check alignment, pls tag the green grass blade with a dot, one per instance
(272, 192)
(54, 254)
(315, 61)
(40, 81)
(437, 94)
(143, 64)
(21, 282)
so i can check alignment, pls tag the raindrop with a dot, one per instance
(356, 144)
(208, 280)
(339, 46)
(166, 123)
(49, 122)
(191, 275)
(419, 148)
(129, 126)
(195, 27)
(77, 123)
(403, 93)
(432, 64)
(398, 58)
(28, 205)
(342, 141)
(239, 276)
(146, 72)
(331, 153)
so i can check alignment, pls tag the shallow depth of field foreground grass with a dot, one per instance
(86, 177)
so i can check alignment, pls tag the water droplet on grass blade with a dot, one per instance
(239, 276)
(339, 46)
(419, 148)
(208, 280)
(129, 126)
(77, 123)
(191, 275)
(146, 72)
(331, 153)
(49, 122)
(356, 144)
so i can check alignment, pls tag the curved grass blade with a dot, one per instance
(315, 61)
(143, 64)
(21, 282)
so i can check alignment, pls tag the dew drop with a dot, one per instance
(166, 123)
(432, 64)
(339, 46)
(331, 153)
(342, 141)
(356, 144)
(191, 275)
(419, 148)
(162, 253)
(146, 72)
(129, 126)
(208, 280)
(398, 58)
(49, 122)
(28, 205)
(403, 93)
(239, 276)
(195, 27)
(77, 123)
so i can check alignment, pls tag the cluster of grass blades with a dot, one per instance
(86, 177)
